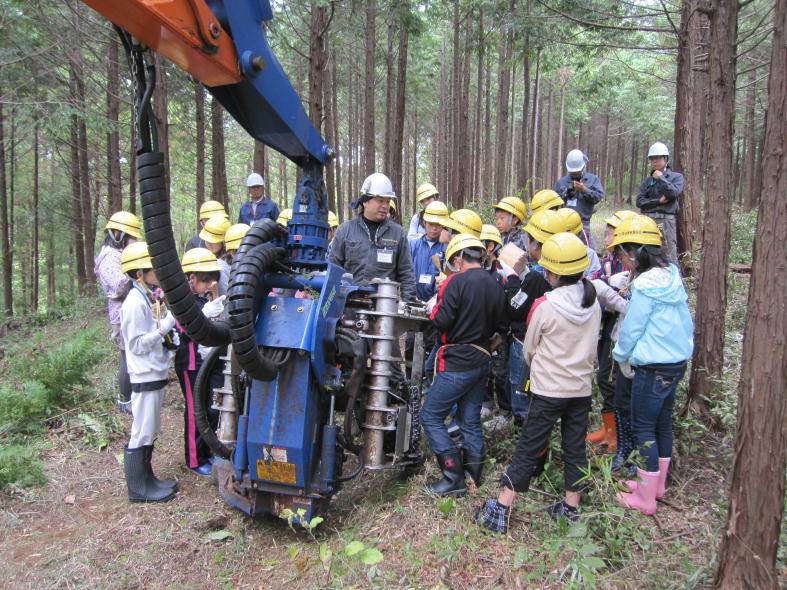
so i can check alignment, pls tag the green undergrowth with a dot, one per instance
(52, 381)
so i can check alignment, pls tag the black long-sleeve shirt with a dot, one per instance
(520, 295)
(470, 308)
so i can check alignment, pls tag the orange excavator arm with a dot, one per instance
(184, 31)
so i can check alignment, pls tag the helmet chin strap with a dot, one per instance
(118, 238)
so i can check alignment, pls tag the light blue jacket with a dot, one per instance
(658, 328)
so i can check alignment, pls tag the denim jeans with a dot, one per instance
(518, 374)
(652, 398)
(465, 389)
(531, 449)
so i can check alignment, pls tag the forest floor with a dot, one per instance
(79, 530)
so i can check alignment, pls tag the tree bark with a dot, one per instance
(370, 36)
(399, 111)
(390, 83)
(132, 166)
(747, 180)
(88, 225)
(476, 157)
(747, 558)
(77, 200)
(523, 172)
(337, 162)
(34, 228)
(633, 170)
(535, 119)
(199, 104)
(8, 293)
(501, 125)
(114, 190)
(712, 285)
(218, 160)
(317, 64)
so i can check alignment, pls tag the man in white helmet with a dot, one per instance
(372, 245)
(258, 206)
(580, 189)
(658, 197)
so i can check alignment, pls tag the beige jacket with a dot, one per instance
(560, 343)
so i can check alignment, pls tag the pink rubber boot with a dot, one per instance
(664, 463)
(644, 498)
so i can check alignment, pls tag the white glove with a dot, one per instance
(166, 323)
(626, 370)
(505, 270)
(619, 280)
(213, 309)
(430, 304)
(176, 338)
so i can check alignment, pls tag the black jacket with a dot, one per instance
(470, 308)
(670, 185)
(520, 295)
(387, 257)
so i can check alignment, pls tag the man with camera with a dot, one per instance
(580, 189)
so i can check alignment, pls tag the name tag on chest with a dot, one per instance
(385, 256)
(571, 202)
(425, 279)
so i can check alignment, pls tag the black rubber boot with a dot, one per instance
(141, 487)
(474, 467)
(626, 443)
(453, 482)
(169, 484)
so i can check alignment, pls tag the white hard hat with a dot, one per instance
(658, 149)
(575, 161)
(255, 179)
(378, 185)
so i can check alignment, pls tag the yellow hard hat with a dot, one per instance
(464, 221)
(565, 255)
(513, 205)
(234, 235)
(436, 212)
(618, 216)
(639, 229)
(491, 234)
(284, 217)
(210, 208)
(545, 199)
(544, 224)
(126, 222)
(571, 220)
(199, 260)
(425, 191)
(462, 242)
(333, 219)
(214, 229)
(135, 257)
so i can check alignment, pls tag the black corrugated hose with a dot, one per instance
(243, 302)
(164, 252)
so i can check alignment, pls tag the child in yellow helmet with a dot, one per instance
(560, 347)
(147, 329)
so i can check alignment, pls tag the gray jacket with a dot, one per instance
(582, 203)
(670, 185)
(388, 257)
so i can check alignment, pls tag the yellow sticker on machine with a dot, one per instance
(276, 471)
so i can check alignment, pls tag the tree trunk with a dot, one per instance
(114, 190)
(399, 111)
(370, 36)
(390, 82)
(337, 162)
(199, 104)
(747, 180)
(633, 170)
(77, 200)
(712, 285)
(523, 172)
(160, 108)
(535, 119)
(34, 228)
(486, 177)
(455, 164)
(317, 64)
(476, 159)
(218, 160)
(501, 125)
(8, 294)
(757, 191)
(132, 166)
(688, 134)
(88, 226)
(747, 558)
(564, 74)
